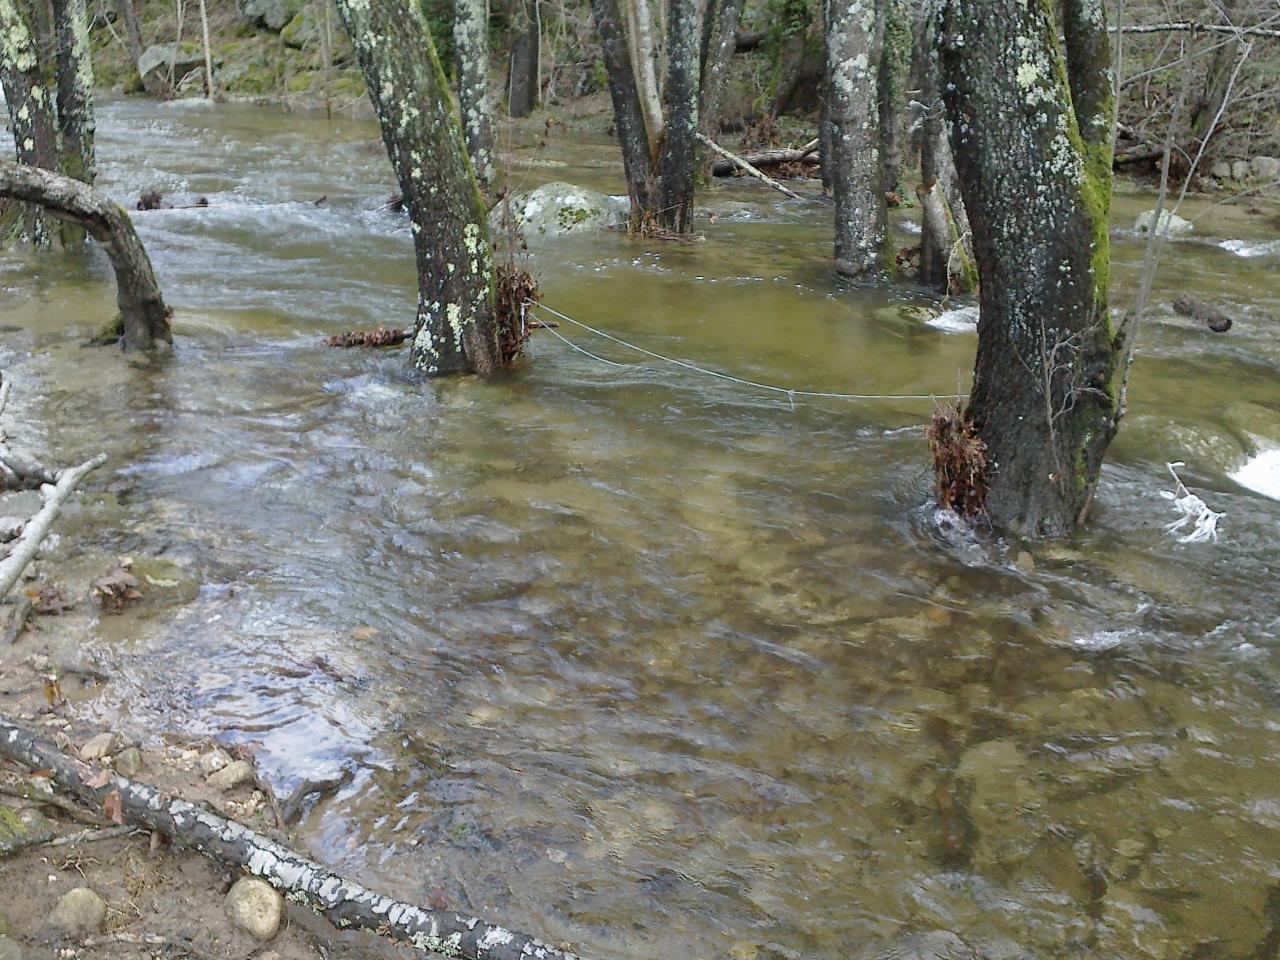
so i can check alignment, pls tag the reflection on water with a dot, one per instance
(662, 666)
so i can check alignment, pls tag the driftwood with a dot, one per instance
(728, 165)
(1197, 309)
(746, 166)
(144, 315)
(346, 904)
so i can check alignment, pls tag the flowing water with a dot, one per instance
(665, 666)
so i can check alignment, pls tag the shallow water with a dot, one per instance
(665, 666)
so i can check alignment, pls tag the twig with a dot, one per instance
(748, 168)
(92, 836)
(28, 542)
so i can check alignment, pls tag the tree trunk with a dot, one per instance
(721, 35)
(132, 31)
(1051, 368)
(522, 78)
(646, 72)
(854, 31)
(74, 74)
(471, 39)
(32, 115)
(679, 143)
(142, 308)
(892, 67)
(456, 329)
(628, 111)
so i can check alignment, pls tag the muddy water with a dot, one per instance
(662, 666)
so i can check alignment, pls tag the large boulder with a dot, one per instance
(272, 14)
(1171, 225)
(155, 60)
(554, 209)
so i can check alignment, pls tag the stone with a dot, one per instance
(255, 907)
(1265, 168)
(157, 57)
(272, 14)
(1171, 225)
(1240, 170)
(214, 760)
(79, 911)
(9, 950)
(1221, 170)
(1024, 562)
(103, 745)
(555, 209)
(129, 761)
(231, 776)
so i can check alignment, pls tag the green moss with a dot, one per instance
(302, 82)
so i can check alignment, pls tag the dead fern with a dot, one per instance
(959, 461)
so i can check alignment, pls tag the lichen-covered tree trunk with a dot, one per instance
(32, 107)
(1035, 172)
(455, 329)
(143, 313)
(721, 37)
(522, 76)
(628, 111)
(854, 35)
(471, 39)
(679, 142)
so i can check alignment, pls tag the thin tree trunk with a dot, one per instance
(132, 31)
(74, 69)
(208, 57)
(471, 39)
(893, 62)
(646, 73)
(522, 77)
(31, 110)
(854, 30)
(721, 32)
(1051, 368)
(628, 111)
(456, 329)
(679, 143)
(142, 308)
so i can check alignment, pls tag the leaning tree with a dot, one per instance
(456, 329)
(1031, 130)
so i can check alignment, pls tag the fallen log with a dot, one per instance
(346, 904)
(1196, 309)
(143, 313)
(746, 166)
(729, 164)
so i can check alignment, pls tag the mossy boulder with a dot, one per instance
(555, 209)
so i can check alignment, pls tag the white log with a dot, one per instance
(746, 167)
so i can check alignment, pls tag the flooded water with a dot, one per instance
(651, 663)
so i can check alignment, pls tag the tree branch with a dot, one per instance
(746, 167)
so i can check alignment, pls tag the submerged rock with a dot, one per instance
(255, 907)
(557, 208)
(1171, 225)
(79, 911)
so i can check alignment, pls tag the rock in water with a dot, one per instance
(255, 907)
(1171, 225)
(79, 911)
(559, 208)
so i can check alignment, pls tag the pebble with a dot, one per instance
(103, 745)
(79, 911)
(231, 776)
(129, 761)
(214, 760)
(255, 907)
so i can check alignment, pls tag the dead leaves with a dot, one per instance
(113, 807)
(117, 587)
(48, 601)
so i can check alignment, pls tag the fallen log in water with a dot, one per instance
(746, 166)
(346, 904)
(1197, 309)
(729, 165)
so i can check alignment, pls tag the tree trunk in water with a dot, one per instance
(826, 136)
(142, 308)
(31, 110)
(522, 79)
(455, 330)
(646, 72)
(1051, 369)
(628, 111)
(892, 67)
(74, 71)
(721, 35)
(471, 39)
(854, 31)
(679, 143)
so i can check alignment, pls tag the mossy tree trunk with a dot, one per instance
(471, 39)
(854, 38)
(32, 107)
(522, 75)
(1031, 121)
(456, 330)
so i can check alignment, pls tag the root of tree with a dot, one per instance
(959, 461)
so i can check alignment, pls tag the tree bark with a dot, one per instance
(456, 329)
(892, 67)
(522, 77)
(142, 308)
(346, 904)
(471, 39)
(32, 116)
(721, 34)
(74, 69)
(647, 72)
(1051, 368)
(628, 112)
(854, 32)
(679, 141)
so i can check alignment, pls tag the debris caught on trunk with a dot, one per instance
(516, 290)
(959, 461)
(377, 337)
(1196, 309)
(344, 902)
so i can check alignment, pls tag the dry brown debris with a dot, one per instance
(117, 587)
(378, 337)
(516, 290)
(959, 461)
